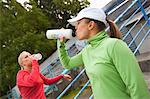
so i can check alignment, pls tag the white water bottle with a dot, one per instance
(37, 56)
(56, 33)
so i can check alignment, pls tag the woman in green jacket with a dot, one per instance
(112, 68)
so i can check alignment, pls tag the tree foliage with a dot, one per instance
(22, 29)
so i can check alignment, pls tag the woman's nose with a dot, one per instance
(31, 56)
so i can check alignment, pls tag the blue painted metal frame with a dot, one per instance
(131, 16)
(117, 7)
(144, 13)
(148, 32)
(65, 71)
(114, 4)
(137, 34)
(49, 68)
(52, 87)
(130, 29)
(12, 94)
(76, 78)
(142, 9)
(91, 96)
(132, 4)
(87, 83)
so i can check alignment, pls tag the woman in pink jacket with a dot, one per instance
(30, 81)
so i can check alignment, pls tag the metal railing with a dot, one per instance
(74, 80)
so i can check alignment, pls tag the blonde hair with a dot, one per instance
(20, 58)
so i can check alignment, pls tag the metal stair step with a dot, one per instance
(144, 61)
(147, 78)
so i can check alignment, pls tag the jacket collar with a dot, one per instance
(96, 39)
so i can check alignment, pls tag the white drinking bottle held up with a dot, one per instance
(37, 56)
(56, 33)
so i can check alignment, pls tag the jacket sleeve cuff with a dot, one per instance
(35, 64)
(60, 44)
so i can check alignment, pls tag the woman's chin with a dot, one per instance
(79, 38)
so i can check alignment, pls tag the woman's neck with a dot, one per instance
(93, 32)
(26, 68)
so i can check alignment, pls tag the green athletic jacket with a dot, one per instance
(111, 67)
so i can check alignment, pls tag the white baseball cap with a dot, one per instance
(90, 12)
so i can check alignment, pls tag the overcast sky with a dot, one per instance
(99, 3)
(22, 1)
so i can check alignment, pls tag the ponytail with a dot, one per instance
(114, 31)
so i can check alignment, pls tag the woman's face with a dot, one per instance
(26, 59)
(82, 31)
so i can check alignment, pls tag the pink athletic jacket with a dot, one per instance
(31, 84)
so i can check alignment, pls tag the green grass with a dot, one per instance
(71, 94)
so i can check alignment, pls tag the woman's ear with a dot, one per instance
(22, 64)
(91, 25)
